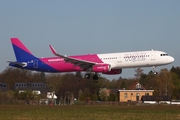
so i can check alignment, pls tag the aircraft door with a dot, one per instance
(137, 96)
(153, 57)
(35, 63)
(119, 59)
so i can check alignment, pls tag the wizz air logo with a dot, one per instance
(55, 60)
(135, 56)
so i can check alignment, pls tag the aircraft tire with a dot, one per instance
(87, 76)
(95, 77)
(155, 73)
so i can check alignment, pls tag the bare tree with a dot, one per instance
(139, 72)
(164, 83)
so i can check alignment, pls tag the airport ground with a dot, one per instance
(90, 112)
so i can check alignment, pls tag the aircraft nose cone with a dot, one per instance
(171, 59)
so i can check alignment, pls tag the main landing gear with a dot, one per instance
(87, 76)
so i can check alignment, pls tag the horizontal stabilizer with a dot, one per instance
(22, 64)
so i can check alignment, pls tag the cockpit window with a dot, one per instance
(164, 55)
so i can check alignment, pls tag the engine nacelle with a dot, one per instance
(101, 68)
(113, 72)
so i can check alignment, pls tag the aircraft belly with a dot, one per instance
(131, 64)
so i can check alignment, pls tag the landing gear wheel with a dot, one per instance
(87, 76)
(155, 73)
(95, 77)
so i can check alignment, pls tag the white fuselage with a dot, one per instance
(136, 59)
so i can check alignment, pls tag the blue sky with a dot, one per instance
(91, 26)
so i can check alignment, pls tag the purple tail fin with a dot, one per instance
(21, 52)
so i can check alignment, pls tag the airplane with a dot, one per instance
(108, 63)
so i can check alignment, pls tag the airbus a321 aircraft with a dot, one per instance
(109, 63)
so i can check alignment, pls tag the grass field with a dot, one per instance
(89, 112)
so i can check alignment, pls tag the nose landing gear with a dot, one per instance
(154, 70)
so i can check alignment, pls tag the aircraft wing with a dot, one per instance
(77, 62)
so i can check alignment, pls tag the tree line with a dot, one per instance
(166, 82)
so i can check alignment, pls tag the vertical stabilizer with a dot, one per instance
(21, 52)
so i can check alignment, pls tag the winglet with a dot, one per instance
(55, 53)
(53, 50)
